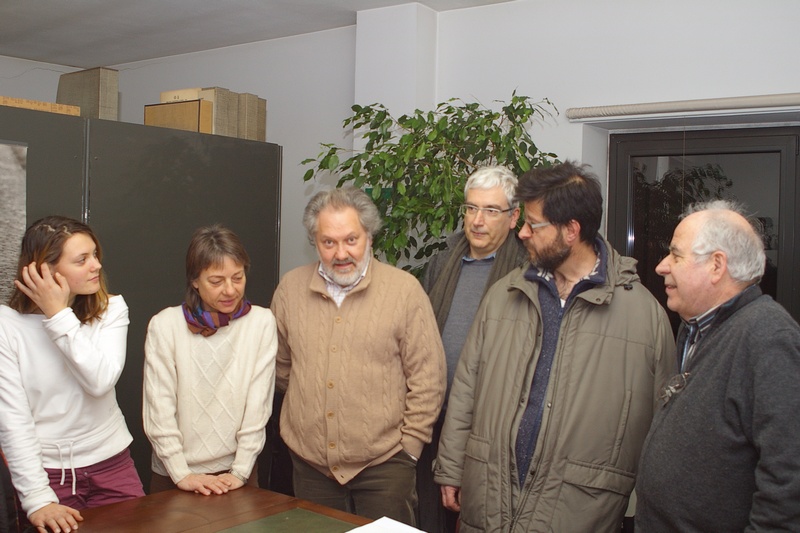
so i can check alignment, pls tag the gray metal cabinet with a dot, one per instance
(144, 190)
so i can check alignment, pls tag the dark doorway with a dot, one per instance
(653, 177)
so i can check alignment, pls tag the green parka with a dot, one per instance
(615, 351)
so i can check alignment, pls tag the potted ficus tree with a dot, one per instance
(415, 166)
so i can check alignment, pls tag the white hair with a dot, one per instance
(490, 177)
(744, 249)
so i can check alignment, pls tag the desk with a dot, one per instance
(177, 511)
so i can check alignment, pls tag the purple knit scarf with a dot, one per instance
(206, 323)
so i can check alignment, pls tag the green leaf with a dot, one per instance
(415, 167)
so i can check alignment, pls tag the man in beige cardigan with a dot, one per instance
(362, 364)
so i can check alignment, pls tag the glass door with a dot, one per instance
(653, 177)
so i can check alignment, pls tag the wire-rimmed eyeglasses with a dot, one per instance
(537, 225)
(674, 385)
(492, 213)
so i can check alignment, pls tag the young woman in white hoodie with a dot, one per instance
(62, 349)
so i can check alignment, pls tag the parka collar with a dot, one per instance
(620, 271)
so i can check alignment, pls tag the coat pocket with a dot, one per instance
(599, 477)
(593, 498)
(475, 481)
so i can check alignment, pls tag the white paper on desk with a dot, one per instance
(385, 525)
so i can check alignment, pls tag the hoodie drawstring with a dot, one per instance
(71, 466)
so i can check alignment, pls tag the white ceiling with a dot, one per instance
(96, 33)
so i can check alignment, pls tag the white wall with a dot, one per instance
(577, 53)
(396, 58)
(308, 83)
(601, 52)
(20, 78)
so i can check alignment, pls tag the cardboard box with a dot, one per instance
(226, 109)
(36, 105)
(180, 95)
(95, 91)
(252, 117)
(190, 115)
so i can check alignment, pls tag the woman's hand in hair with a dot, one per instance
(50, 292)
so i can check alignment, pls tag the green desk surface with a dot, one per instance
(293, 521)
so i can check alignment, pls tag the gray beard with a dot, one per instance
(345, 280)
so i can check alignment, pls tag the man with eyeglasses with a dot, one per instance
(723, 452)
(456, 279)
(559, 376)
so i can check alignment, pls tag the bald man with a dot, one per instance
(723, 452)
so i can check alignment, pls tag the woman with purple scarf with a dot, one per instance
(209, 374)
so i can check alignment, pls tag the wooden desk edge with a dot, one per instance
(190, 512)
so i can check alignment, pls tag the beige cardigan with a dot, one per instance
(362, 381)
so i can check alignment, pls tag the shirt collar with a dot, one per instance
(336, 291)
(468, 259)
(698, 325)
(596, 277)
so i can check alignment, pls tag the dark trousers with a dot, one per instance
(387, 489)
(432, 517)
(274, 462)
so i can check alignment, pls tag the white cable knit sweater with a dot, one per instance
(207, 399)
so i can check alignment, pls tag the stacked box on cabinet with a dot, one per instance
(252, 117)
(235, 115)
(262, 120)
(95, 91)
(226, 109)
(189, 115)
(224, 104)
(36, 105)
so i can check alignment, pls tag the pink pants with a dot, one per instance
(110, 481)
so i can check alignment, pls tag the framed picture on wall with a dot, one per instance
(13, 164)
